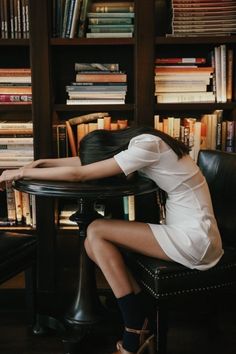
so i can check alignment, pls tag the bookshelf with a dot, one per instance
(52, 63)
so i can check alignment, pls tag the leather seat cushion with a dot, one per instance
(164, 279)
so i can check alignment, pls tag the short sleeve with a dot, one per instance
(142, 151)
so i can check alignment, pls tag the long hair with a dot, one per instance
(104, 144)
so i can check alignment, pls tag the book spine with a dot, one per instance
(15, 98)
(131, 207)
(83, 17)
(71, 139)
(229, 75)
(26, 212)
(11, 206)
(69, 18)
(62, 141)
(18, 205)
(75, 18)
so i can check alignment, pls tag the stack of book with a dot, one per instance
(97, 83)
(15, 86)
(14, 19)
(111, 20)
(181, 80)
(16, 144)
(203, 17)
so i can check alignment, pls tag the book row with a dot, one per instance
(68, 136)
(211, 131)
(14, 19)
(17, 208)
(80, 18)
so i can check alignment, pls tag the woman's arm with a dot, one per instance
(64, 161)
(101, 169)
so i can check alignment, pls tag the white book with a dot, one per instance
(18, 141)
(100, 122)
(176, 132)
(223, 72)
(187, 97)
(96, 95)
(170, 126)
(218, 74)
(15, 147)
(197, 139)
(156, 121)
(131, 207)
(16, 125)
(89, 101)
(5, 153)
(15, 79)
(14, 163)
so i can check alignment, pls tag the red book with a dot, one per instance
(15, 98)
(180, 60)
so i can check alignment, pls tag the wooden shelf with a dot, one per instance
(195, 40)
(91, 41)
(14, 42)
(194, 106)
(94, 108)
(15, 107)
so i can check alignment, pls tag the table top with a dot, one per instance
(110, 187)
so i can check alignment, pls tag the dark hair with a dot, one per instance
(103, 144)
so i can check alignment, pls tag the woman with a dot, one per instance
(189, 236)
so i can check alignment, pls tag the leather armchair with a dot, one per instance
(168, 281)
(18, 254)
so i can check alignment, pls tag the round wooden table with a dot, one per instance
(86, 308)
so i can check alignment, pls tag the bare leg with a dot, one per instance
(103, 237)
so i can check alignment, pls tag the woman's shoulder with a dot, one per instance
(146, 137)
(146, 142)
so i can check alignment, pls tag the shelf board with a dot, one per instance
(15, 107)
(191, 106)
(15, 228)
(14, 42)
(95, 108)
(195, 40)
(91, 41)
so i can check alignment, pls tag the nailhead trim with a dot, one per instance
(186, 291)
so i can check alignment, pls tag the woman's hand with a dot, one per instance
(9, 176)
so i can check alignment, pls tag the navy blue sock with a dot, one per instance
(134, 315)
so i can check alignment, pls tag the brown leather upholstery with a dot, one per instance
(168, 280)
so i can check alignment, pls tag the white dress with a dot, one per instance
(190, 235)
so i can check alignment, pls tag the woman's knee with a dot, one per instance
(95, 231)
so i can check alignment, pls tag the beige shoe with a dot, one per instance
(147, 343)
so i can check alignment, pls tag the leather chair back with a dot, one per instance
(219, 169)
